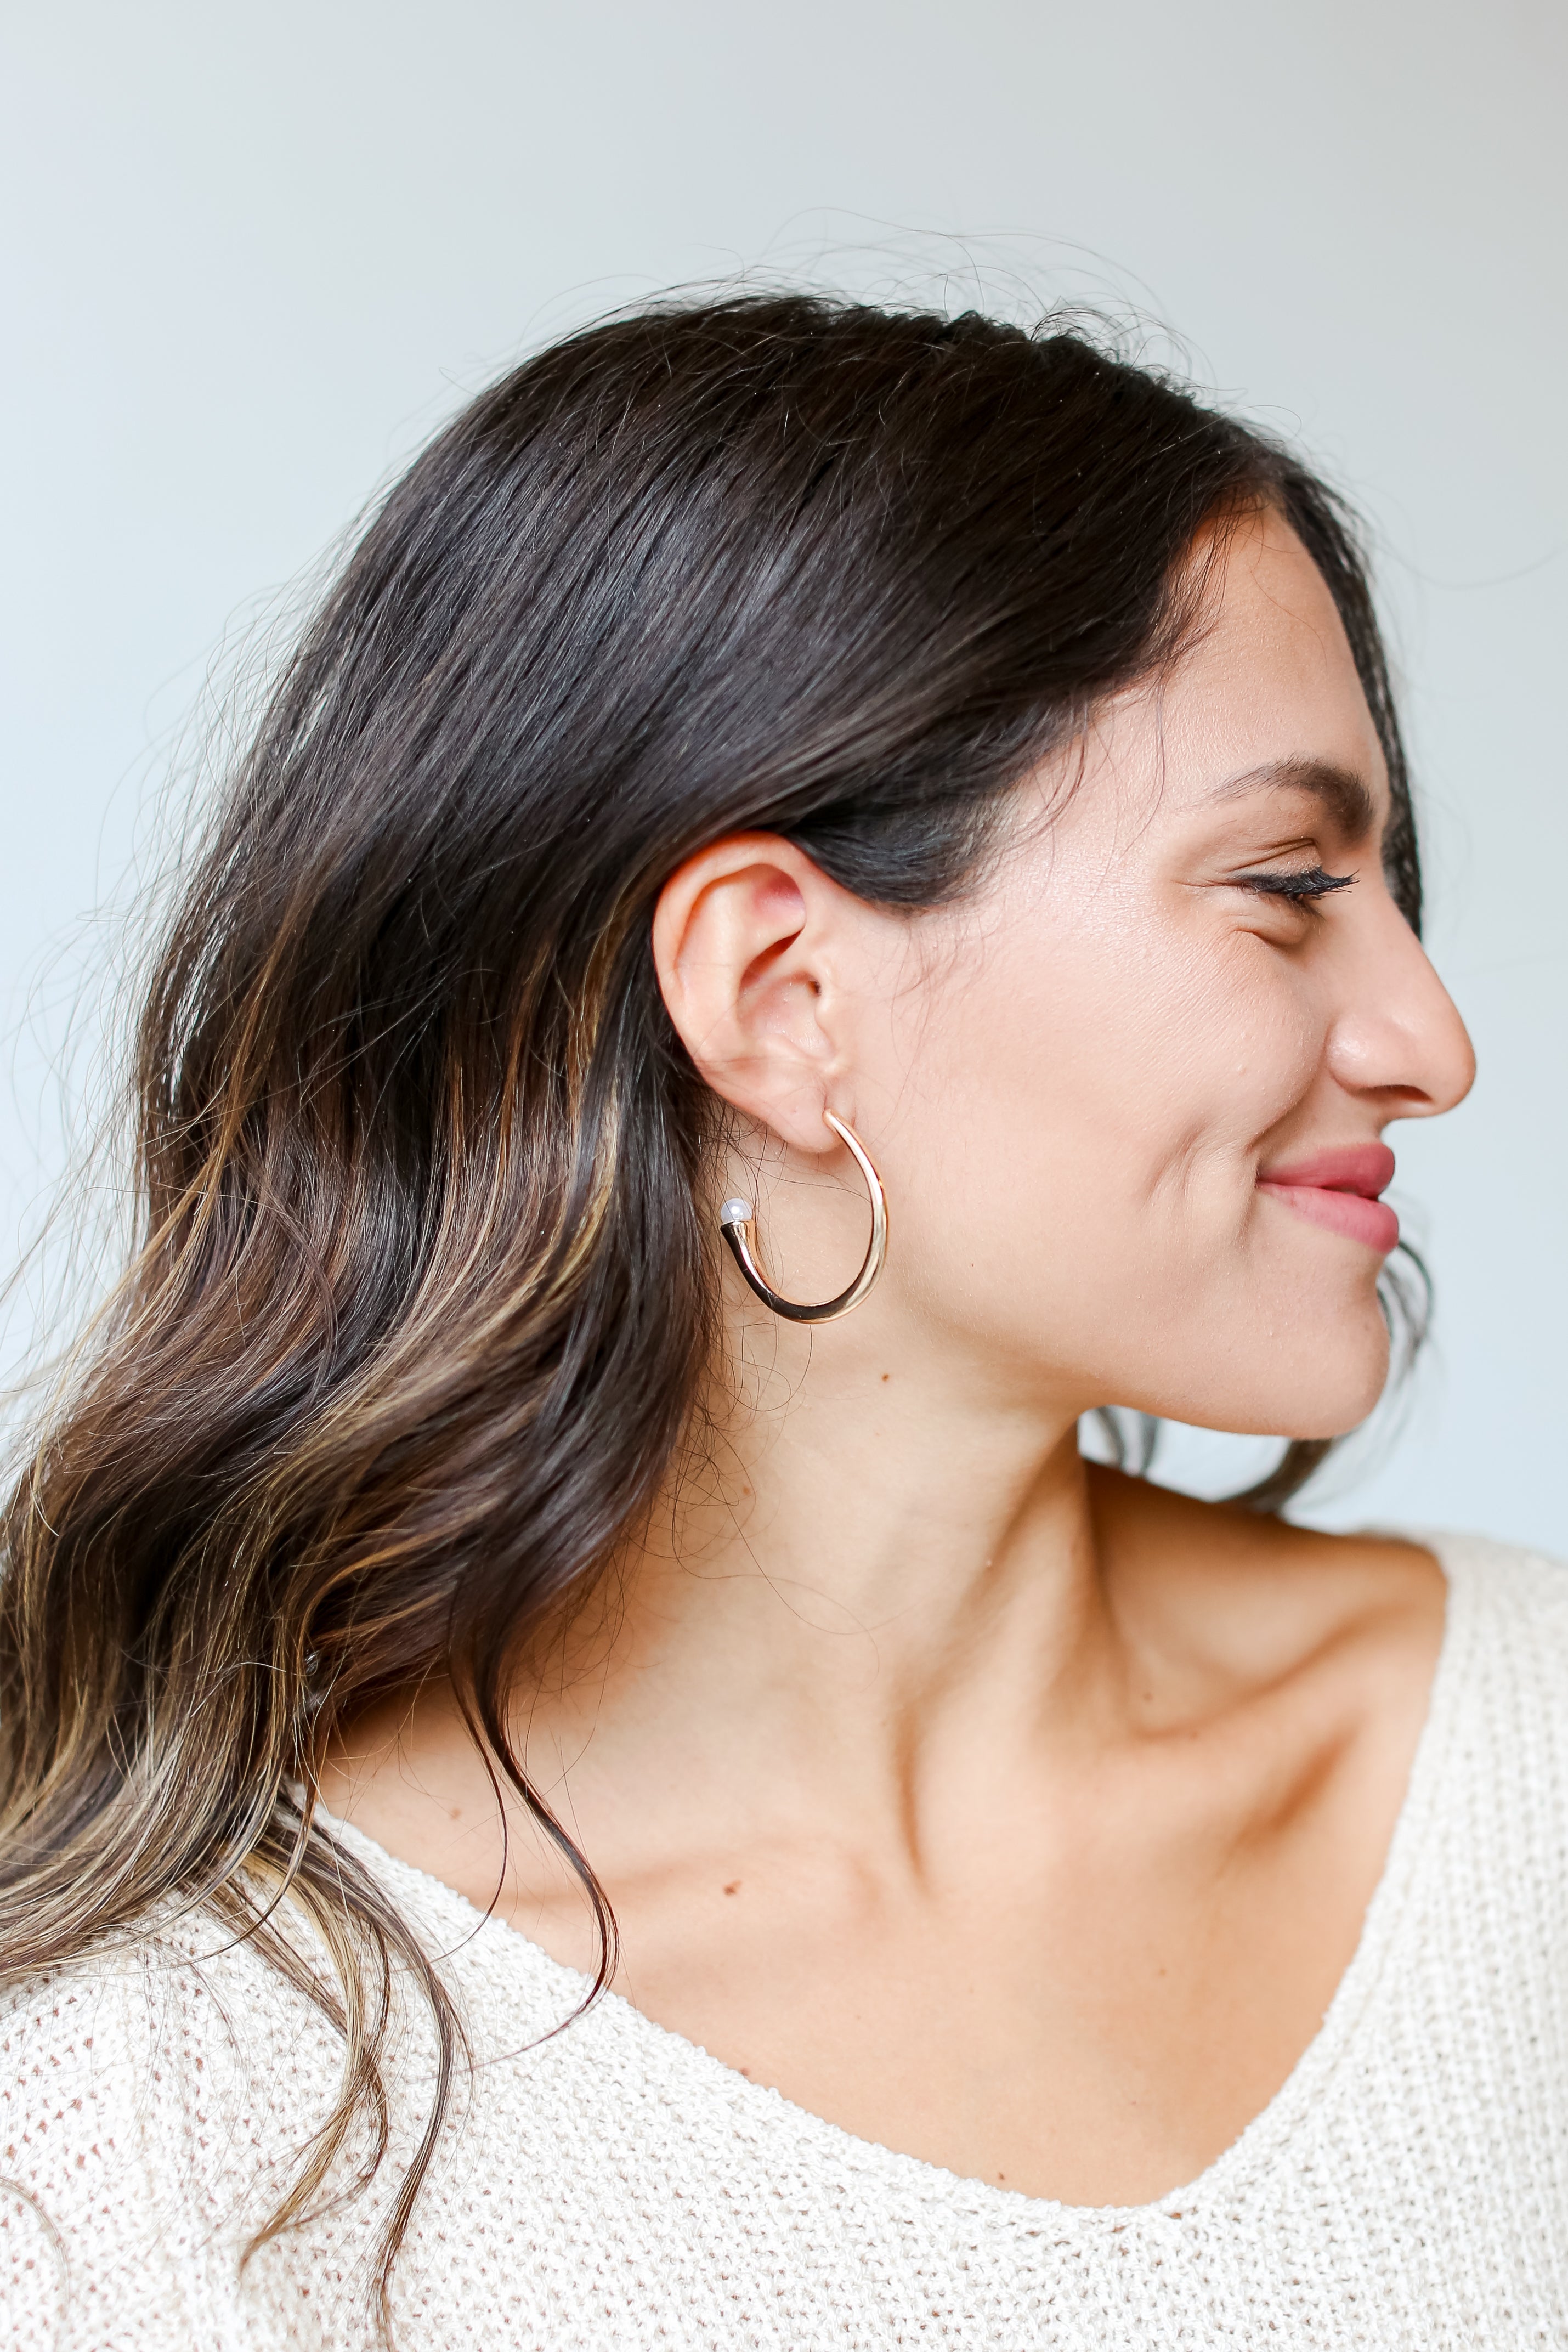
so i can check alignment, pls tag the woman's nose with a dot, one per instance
(1400, 1033)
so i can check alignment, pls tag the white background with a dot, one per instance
(255, 255)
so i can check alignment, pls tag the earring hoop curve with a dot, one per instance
(739, 1226)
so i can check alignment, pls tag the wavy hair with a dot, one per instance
(421, 1296)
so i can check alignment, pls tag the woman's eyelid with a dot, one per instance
(1305, 850)
(1303, 886)
(1308, 866)
(1305, 857)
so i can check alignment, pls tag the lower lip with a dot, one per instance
(1350, 1214)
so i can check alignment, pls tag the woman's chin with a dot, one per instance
(1307, 1399)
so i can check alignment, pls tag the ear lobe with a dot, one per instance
(741, 950)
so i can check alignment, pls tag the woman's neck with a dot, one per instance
(854, 1579)
(871, 1589)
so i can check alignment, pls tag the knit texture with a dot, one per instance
(614, 2186)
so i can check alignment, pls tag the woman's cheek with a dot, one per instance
(1247, 1036)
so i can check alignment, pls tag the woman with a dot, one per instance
(588, 1763)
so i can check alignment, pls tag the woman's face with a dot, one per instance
(1129, 1111)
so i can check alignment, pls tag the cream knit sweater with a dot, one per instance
(616, 2187)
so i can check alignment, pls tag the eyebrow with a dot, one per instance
(1340, 791)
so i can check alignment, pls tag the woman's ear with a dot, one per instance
(744, 937)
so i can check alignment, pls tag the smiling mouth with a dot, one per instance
(1339, 1190)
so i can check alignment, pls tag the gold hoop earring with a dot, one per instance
(739, 1227)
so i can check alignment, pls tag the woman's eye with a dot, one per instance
(1304, 888)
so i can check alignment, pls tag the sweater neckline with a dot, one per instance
(1256, 2147)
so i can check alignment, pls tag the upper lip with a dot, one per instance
(1363, 1167)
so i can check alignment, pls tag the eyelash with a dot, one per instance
(1302, 889)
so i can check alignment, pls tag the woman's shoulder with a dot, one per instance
(1498, 1688)
(1263, 1580)
(1485, 1826)
(100, 2025)
(1507, 1611)
(1504, 1675)
(1513, 1575)
(154, 2094)
(162, 2094)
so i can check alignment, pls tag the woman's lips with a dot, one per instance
(1340, 1190)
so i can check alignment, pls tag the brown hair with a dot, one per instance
(422, 1295)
